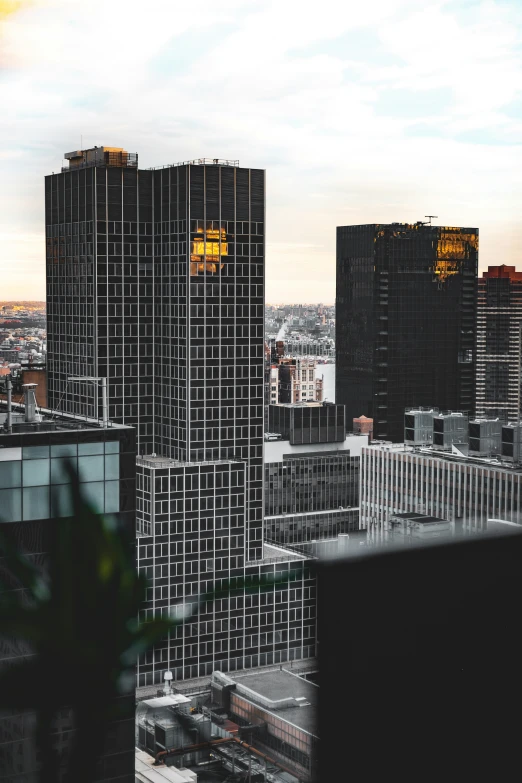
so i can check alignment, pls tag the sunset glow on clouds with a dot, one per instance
(360, 112)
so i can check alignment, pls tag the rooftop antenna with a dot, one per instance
(435, 217)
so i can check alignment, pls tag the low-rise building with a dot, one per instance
(281, 708)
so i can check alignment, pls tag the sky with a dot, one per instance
(360, 112)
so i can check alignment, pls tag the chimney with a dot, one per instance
(30, 401)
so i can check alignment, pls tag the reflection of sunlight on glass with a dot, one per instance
(207, 247)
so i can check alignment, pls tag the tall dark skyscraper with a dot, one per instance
(405, 320)
(499, 348)
(156, 280)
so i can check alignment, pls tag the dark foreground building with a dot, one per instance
(405, 320)
(499, 346)
(34, 492)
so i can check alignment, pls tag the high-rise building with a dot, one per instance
(156, 280)
(34, 494)
(405, 320)
(499, 319)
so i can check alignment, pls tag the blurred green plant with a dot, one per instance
(79, 617)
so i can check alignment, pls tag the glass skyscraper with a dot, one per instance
(405, 321)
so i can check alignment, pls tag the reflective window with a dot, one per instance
(112, 447)
(59, 473)
(61, 502)
(64, 450)
(112, 466)
(90, 448)
(35, 503)
(90, 468)
(35, 452)
(112, 496)
(35, 472)
(10, 474)
(93, 494)
(10, 505)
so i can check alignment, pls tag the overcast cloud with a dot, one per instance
(360, 112)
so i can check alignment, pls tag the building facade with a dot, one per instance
(282, 707)
(34, 494)
(467, 491)
(308, 423)
(173, 306)
(155, 280)
(311, 490)
(298, 381)
(499, 320)
(405, 325)
(191, 536)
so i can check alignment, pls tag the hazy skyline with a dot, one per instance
(360, 113)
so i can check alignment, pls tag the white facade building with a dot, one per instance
(397, 479)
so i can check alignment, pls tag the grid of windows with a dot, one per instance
(33, 493)
(192, 537)
(299, 528)
(406, 321)
(397, 482)
(155, 280)
(311, 482)
(499, 346)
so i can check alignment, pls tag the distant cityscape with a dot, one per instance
(242, 443)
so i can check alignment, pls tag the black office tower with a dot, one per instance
(499, 344)
(155, 280)
(405, 321)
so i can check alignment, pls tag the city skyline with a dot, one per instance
(364, 115)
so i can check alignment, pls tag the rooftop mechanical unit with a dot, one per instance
(450, 429)
(485, 437)
(511, 441)
(418, 426)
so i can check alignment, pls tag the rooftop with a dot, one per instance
(282, 693)
(449, 456)
(47, 420)
(153, 461)
(278, 450)
(100, 156)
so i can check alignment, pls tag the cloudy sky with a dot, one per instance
(361, 112)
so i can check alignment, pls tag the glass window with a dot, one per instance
(61, 501)
(10, 454)
(112, 466)
(36, 503)
(90, 468)
(35, 473)
(10, 505)
(10, 474)
(112, 496)
(90, 448)
(93, 494)
(112, 447)
(64, 450)
(59, 473)
(35, 452)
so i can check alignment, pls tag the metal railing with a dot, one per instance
(198, 162)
